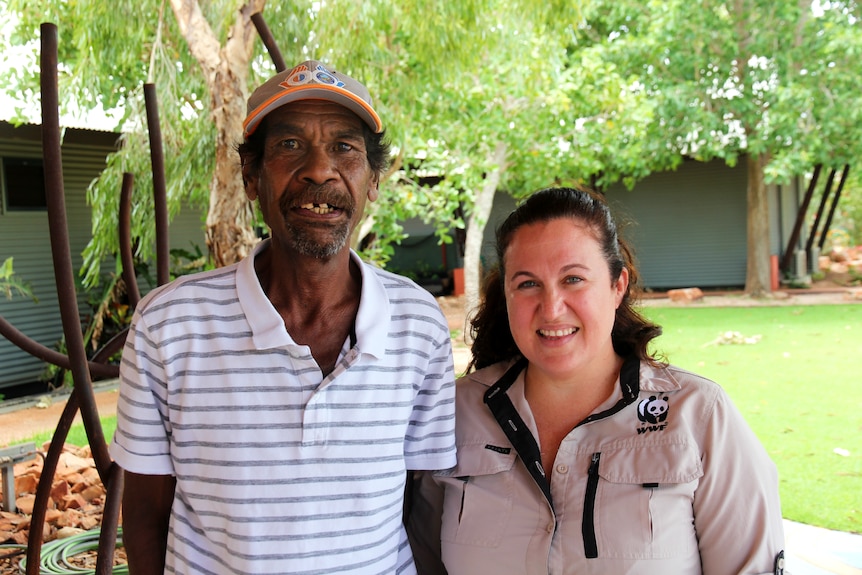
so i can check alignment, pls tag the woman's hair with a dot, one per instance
(489, 326)
(376, 149)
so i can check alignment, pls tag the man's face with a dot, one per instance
(314, 178)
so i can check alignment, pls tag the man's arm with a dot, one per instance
(147, 501)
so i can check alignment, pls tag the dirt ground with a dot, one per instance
(19, 424)
(43, 413)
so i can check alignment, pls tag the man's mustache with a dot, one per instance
(319, 195)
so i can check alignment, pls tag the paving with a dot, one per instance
(817, 551)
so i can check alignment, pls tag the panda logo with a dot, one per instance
(653, 410)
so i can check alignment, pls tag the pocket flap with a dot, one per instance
(659, 463)
(481, 459)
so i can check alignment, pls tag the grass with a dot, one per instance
(77, 434)
(799, 387)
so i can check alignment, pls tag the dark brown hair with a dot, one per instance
(489, 326)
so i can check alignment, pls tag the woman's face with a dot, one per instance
(560, 297)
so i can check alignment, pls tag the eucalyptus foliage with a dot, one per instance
(485, 94)
(775, 81)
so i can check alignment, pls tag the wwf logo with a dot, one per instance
(653, 410)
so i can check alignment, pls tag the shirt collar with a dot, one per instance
(267, 326)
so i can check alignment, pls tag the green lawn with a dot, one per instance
(77, 435)
(799, 387)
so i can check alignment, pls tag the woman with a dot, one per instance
(578, 451)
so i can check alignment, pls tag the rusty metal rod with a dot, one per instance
(46, 480)
(833, 207)
(800, 218)
(111, 347)
(126, 256)
(98, 369)
(269, 41)
(820, 209)
(60, 250)
(160, 201)
(110, 522)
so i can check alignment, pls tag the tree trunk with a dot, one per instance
(757, 282)
(476, 227)
(229, 236)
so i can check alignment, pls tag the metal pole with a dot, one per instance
(800, 217)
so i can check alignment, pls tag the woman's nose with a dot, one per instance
(553, 303)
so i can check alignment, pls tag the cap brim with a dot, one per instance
(313, 92)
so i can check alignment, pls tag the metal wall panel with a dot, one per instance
(688, 227)
(24, 235)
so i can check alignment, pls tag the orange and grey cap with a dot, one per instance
(310, 80)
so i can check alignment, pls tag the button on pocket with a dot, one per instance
(478, 496)
(644, 500)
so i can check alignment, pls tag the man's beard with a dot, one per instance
(314, 247)
(305, 240)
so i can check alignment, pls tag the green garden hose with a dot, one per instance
(56, 555)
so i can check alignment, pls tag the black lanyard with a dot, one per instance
(519, 434)
(515, 428)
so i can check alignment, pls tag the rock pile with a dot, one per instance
(841, 260)
(76, 502)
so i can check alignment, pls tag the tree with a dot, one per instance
(774, 81)
(107, 53)
(474, 91)
(9, 284)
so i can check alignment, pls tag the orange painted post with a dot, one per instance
(773, 269)
(458, 277)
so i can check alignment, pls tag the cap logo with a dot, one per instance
(301, 76)
(310, 80)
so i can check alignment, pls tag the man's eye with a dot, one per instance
(290, 144)
(344, 147)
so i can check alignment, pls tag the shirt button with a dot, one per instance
(550, 528)
(562, 468)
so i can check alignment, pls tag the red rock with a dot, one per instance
(685, 295)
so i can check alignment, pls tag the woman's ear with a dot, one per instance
(621, 286)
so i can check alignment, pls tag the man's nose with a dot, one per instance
(318, 166)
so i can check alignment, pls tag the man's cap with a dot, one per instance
(310, 80)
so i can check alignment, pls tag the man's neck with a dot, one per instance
(317, 298)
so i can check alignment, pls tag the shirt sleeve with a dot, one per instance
(424, 523)
(141, 440)
(430, 438)
(737, 511)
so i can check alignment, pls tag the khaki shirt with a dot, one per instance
(664, 478)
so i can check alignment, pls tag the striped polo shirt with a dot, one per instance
(278, 469)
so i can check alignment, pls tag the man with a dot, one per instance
(268, 410)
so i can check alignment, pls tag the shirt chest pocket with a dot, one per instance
(478, 495)
(644, 500)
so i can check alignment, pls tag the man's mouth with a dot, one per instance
(557, 332)
(320, 209)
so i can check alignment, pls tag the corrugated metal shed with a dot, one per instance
(24, 235)
(688, 227)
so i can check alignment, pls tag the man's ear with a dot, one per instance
(249, 181)
(374, 188)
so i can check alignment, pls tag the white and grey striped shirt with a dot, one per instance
(279, 470)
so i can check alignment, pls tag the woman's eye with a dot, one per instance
(527, 284)
(573, 280)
